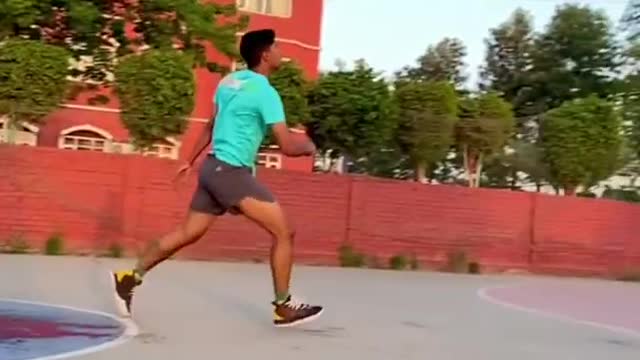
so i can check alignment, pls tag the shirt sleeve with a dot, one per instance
(271, 107)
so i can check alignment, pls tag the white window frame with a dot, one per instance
(72, 142)
(243, 5)
(101, 142)
(161, 151)
(270, 160)
(165, 151)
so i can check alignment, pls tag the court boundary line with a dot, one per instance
(483, 293)
(130, 330)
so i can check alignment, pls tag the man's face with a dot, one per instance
(273, 57)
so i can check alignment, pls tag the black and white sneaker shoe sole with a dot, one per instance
(301, 321)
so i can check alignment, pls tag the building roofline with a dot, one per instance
(117, 111)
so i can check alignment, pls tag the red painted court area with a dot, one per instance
(96, 199)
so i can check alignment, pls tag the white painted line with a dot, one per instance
(483, 293)
(130, 330)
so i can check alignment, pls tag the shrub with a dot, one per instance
(630, 276)
(350, 258)
(115, 250)
(398, 262)
(54, 245)
(474, 268)
(156, 92)
(627, 195)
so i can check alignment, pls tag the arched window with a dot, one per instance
(85, 137)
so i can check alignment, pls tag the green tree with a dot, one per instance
(485, 126)
(630, 99)
(94, 33)
(156, 92)
(582, 142)
(442, 62)
(508, 60)
(32, 80)
(96, 29)
(427, 113)
(575, 57)
(631, 20)
(351, 111)
(293, 88)
(522, 164)
(387, 162)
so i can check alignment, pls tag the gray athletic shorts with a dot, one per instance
(222, 186)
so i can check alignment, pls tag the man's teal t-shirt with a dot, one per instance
(247, 106)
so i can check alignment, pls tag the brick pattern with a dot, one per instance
(94, 199)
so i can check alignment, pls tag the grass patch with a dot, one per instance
(54, 245)
(115, 250)
(474, 268)
(399, 262)
(629, 276)
(348, 257)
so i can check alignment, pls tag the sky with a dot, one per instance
(394, 33)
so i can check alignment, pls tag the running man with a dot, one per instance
(246, 107)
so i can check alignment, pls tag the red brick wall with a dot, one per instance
(94, 199)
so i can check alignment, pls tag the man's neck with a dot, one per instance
(262, 70)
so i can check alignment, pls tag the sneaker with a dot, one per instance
(124, 282)
(291, 313)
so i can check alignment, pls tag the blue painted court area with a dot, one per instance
(39, 331)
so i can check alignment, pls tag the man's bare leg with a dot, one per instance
(269, 216)
(190, 231)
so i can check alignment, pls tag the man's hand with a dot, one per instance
(182, 172)
(310, 148)
(289, 143)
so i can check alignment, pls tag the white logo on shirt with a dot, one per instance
(232, 82)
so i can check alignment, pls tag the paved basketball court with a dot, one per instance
(197, 310)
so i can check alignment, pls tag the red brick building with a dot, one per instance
(80, 126)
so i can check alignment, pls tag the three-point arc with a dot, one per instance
(38, 331)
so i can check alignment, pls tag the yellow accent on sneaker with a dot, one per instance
(121, 274)
(277, 317)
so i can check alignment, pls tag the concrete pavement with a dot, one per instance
(196, 310)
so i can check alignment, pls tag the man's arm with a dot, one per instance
(290, 144)
(272, 111)
(204, 139)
